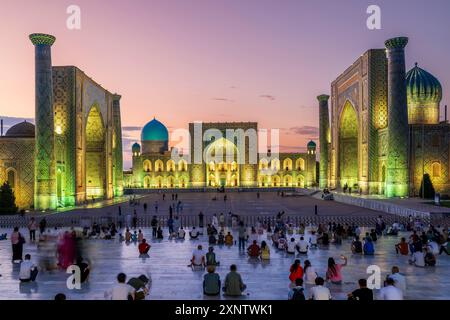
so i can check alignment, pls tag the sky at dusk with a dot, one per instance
(216, 60)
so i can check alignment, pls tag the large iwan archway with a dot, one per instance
(348, 146)
(95, 155)
(222, 169)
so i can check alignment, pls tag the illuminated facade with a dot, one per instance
(383, 133)
(155, 167)
(74, 152)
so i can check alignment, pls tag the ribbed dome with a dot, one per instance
(155, 131)
(311, 144)
(136, 147)
(422, 86)
(21, 130)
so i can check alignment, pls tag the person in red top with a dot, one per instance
(143, 247)
(296, 271)
(254, 250)
(402, 247)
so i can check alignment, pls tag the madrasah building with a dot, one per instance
(383, 132)
(74, 151)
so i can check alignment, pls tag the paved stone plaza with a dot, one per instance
(168, 260)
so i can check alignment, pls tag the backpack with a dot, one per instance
(298, 294)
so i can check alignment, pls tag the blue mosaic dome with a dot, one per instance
(155, 131)
(311, 144)
(423, 86)
(136, 147)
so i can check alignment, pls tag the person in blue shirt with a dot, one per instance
(369, 248)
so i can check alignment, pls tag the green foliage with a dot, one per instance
(7, 200)
(426, 187)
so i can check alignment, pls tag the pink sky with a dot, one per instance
(215, 60)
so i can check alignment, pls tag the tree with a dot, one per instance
(426, 187)
(7, 200)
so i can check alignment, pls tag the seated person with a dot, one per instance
(357, 246)
(418, 258)
(221, 238)
(211, 282)
(134, 236)
(159, 233)
(373, 235)
(302, 246)
(325, 239)
(140, 286)
(211, 258)
(402, 247)
(369, 248)
(212, 239)
(181, 233)
(229, 239)
(297, 292)
(290, 248)
(430, 258)
(127, 235)
(198, 257)
(234, 286)
(144, 247)
(275, 238)
(313, 240)
(84, 269)
(28, 271)
(265, 251)
(282, 242)
(254, 250)
(193, 234)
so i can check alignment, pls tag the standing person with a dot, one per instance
(296, 271)
(363, 293)
(156, 206)
(234, 286)
(154, 224)
(32, 228)
(242, 234)
(200, 219)
(309, 272)
(390, 292)
(170, 225)
(135, 220)
(334, 271)
(28, 271)
(222, 220)
(145, 207)
(17, 241)
(297, 292)
(128, 221)
(122, 291)
(319, 291)
(42, 225)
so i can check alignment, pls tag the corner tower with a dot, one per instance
(324, 139)
(397, 175)
(44, 164)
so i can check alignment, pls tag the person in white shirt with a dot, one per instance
(399, 279)
(309, 273)
(290, 248)
(319, 291)
(418, 259)
(28, 271)
(193, 233)
(198, 257)
(313, 239)
(390, 292)
(433, 247)
(121, 291)
(181, 233)
(302, 246)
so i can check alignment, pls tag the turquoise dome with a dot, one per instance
(136, 147)
(155, 131)
(311, 144)
(422, 86)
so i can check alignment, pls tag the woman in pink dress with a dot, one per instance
(334, 272)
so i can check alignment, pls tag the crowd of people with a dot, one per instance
(61, 248)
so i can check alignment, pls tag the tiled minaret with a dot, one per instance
(44, 163)
(324, 137)
(397, 177)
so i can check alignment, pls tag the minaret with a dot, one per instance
(324, 139)
(397, 175)
(44, 164)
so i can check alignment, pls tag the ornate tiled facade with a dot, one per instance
(76, 152)
(369, 127)
(160, 169)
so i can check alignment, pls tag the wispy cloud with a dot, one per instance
(267, 96)
(131, 128)
(304, 131)
(223, 99)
